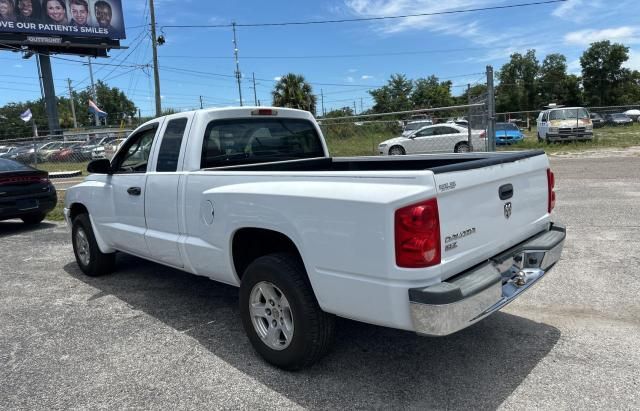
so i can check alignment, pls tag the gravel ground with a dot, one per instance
(154, 338)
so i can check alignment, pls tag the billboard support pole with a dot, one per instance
(49, 94)
(154, 46)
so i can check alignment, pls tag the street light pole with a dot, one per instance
(154, 46)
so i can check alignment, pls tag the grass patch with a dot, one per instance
(57, 214)
(606, 137)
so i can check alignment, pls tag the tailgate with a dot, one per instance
(486, 210)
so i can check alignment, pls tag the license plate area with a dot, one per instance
(23, 205)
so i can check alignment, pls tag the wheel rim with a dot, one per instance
(463, 148)
(395, 151)
(82, 247)
(271, 315)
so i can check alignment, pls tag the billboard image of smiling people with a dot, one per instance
(29, 11)
(55, 12)
(79, 13)
(7, 11)
(77, 18)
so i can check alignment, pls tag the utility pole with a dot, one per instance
(469, 118)
(94, 93)
(491, 110)
(235, 53)
(201, 106)
(355, 110)
(73, 105)
(361, 110)
(255, 95)
(154, 44)
(322, 99)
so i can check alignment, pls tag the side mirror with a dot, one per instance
(100, 166)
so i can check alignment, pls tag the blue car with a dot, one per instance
(508, 133)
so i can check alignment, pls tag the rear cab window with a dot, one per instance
(253, 140)
(170, 146)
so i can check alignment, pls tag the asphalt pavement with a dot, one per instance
(152, 337)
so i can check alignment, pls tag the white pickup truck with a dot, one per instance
(251, 197)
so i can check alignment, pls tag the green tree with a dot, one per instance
(110, 99)
(518, 88)
(293, 91)
(430, 92)
(603, 74)
(394, 96)
(553, 79)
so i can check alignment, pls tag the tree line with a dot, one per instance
(111, 100)
(523, 84)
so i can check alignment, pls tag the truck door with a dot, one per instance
(126, 227)
(161, 204)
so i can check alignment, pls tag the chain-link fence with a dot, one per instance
(70, 151)
(453, 129)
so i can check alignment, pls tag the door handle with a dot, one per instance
(134, 191)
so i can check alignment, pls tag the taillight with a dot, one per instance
(264, 112)
(417, 235)
(551, 183)
(483, 134)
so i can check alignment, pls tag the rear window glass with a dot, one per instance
(10, 165)
(170, 147)
(238, 141)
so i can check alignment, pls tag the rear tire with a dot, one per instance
(33, 219)
(90, 259)
(281, 315)
(396, 151)
(462, 148)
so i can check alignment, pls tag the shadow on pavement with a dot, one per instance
(12, 227)
(369, 367)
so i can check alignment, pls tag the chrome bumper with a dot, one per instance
(469, 297)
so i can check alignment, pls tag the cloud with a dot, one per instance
(366, 77)
(624, 34)
(349, 79)
(352, 70)
(277, 78)
(634, 60)
(18, 66)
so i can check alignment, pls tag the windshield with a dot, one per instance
(568, 114)
(416, 126)
(238, 141)
(506, 126)
(621, 116)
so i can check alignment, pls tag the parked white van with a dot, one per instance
(559, 123)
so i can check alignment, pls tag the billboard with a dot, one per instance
(73, 18)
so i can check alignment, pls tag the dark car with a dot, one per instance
(25, 192)
(597, 120)
(619, 119)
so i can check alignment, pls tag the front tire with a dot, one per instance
(281, 315)
(90, 259)
(397, 151)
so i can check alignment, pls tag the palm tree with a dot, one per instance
(294, 92)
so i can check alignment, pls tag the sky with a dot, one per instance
(341, 61)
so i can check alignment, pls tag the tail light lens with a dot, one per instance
(483, 134)
(551, 182)
(417, 235)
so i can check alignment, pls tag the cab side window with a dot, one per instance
(426, 132)
(170, 147)
(134, 155)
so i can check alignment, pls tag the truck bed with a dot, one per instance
(437, 163)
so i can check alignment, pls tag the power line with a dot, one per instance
(301, 23)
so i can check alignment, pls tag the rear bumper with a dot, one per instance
(10, 208)
(469, 297)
